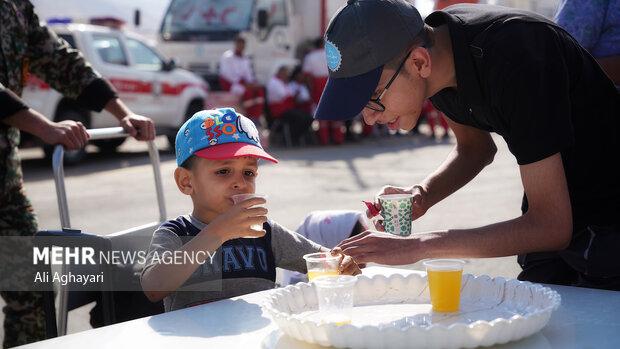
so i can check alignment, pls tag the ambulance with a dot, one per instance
(278, 32)
(148, 83)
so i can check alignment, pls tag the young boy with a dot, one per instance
(217, 155)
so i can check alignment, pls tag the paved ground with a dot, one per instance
(108, 193)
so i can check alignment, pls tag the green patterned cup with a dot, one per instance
(396, 213)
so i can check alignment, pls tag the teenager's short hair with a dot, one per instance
(423, 39)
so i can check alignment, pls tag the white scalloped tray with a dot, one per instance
(395, 312)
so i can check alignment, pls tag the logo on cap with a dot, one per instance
(333, 56)
(209, 128)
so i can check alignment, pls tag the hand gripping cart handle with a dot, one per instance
(63, 207)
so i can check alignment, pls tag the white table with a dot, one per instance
(586, 319)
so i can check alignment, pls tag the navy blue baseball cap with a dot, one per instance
(361, 38)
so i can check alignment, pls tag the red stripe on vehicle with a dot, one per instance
(172, 89)
(132, 86)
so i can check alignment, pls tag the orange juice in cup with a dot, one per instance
(444, 283)
(321, 264)
(313, 274)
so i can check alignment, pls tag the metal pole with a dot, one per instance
(63, 210)
(159, 188)
(63, 206)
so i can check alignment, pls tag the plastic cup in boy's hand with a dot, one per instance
(322, 264)
(243, 197)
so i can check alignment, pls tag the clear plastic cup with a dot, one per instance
(335, 295)
(444, 283)
(321, 264)
(396, 211)
(242, 197)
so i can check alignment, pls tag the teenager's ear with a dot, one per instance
(183, 178)
(421, 59)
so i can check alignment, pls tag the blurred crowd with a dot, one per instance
(285, 105)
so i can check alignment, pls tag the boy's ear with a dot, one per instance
(183, 178)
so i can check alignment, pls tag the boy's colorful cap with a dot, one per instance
(219, 134)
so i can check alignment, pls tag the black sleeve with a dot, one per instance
(96, 95)
(536, 101)
(10, 103)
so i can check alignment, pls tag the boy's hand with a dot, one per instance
(236, 222)
(347, 264)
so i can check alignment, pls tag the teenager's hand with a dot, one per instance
(347, 265)
(381, 248)
(236, 222)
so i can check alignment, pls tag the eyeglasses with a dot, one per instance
(375, 103)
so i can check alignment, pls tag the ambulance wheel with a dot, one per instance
(194, 107)
(72, 157)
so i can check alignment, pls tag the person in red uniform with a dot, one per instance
(434, 116)
(315, 68)
(282, 105)
(237, 76)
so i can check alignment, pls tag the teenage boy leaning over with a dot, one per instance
(217, 155)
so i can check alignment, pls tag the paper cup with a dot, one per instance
(321, 264)
(396, 211)
(242, 197)
(444, 283)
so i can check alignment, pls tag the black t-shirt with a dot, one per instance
(526, 79)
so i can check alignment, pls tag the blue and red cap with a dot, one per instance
(219, 134)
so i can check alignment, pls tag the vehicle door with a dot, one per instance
(273, 45)
(150, 65)
(135, 87)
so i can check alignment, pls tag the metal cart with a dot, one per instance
(126, 236)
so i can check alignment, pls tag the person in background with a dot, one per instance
(315, 68)
(282, 105)
(237, 76)
(596, 26)
(28, 47)
(441, 4)
(434, 116)
(327, 228)
(299, 89)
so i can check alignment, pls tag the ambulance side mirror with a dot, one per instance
(136, 18)
(262, 18)
(169, 65)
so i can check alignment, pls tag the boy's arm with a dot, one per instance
(158, 280)
(289, 248)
